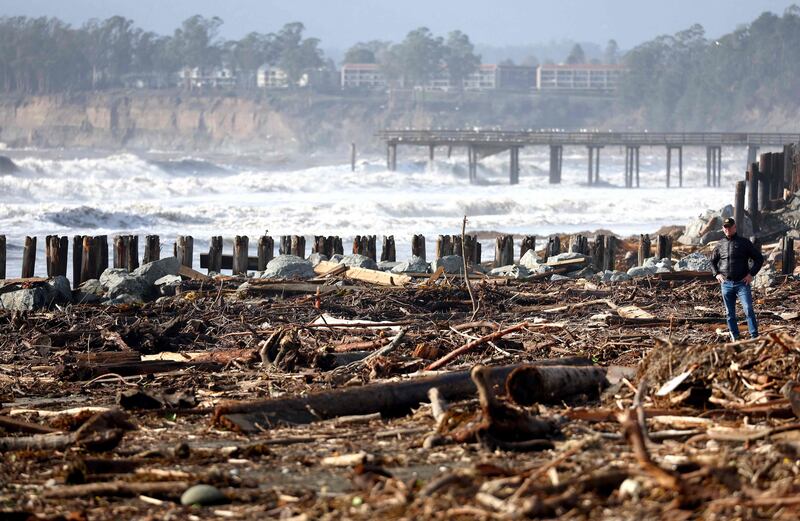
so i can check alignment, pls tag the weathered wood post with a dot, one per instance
(215, 254)
(444, 246)
(121, 244)
(338, 248)
(266, 249)
(458, 248)
(644, 248)
(77, 260)
(599, 251)
(2, 257)
(788, 154)
(609, 255)
(132, 261)
(240, 254)
(29, 257)
(528, 243)
(57, 256)
(320, 245)
(503, 250)
(418, 246)
(553, 247)
(185, 246)
(788, 265)
(738, 203)
(298, 246)
(285, 247)
(152, 249)
(664, 247)
(89, 259)
(471, 249)
(101, 243)
(764, 182)
(579, 244)
(752, 195)
(372, 247)
(388, 251)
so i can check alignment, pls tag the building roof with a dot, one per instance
(583, 66)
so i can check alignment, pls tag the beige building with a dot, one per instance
(581, 77)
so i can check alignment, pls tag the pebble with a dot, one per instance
(203, 495)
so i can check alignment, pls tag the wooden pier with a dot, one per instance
(484, 143)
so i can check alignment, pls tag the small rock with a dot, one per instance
(585, 273)
(620, 276)
(512, 271)
(137, 399)
(451, 264)
(152, 271)
(388, 265)
(556, 277)
(288, 267)
(530, 260)
(203, 495)
(413, 265)
(89, 292)
(766, 277)
(168, 279)
(359, 261)
(337, 257)
(123, 299)
(641, 271)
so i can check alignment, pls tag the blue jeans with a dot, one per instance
(730, 292)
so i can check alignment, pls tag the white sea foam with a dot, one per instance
(180, 195)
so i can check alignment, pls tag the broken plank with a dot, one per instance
(189, 273)
(381, 278)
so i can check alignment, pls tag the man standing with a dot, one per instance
(730, 265)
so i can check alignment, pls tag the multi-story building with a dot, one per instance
(362, 76)
(580, 77)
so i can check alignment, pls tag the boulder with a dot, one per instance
(168, 279)
(203, 495)
(766, 277)
(89, 292)
(413, 265)
(641, 271)
(512, 271)
(336, 257)
(26, 299)
(619, 276)
(694, 262)
(450, 263)
(713, 235)
(388, 265)
(152, 271)
(530, 260)
(315, 258)
(118, 282)
(711, 221)
(359, 261)
(288, 267)
(59, 290)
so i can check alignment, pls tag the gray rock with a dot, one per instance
(619, 276)
(124, 298)
(585, 273)
(288, 267)
(694, 262)
(766, 277)
(203, 495)
(89, 292)
(315, 258)
(119, 282)
(337, 257)
(388, 265)
(359, 261)
(641, 271)
(713, 235)
(711, 221)
(451, 264)
(512, 271)
(152, 271)
(25, 299)
(570, 255)
(530, 260)
(413, 265)
(168, 279)
(556, 277)
(59, 289)
(662, 269)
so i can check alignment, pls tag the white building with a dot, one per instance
(362, 76)
(579, 77)
(197, 78)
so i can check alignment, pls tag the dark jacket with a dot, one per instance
(731, 256)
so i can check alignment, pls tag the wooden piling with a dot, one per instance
(444, 246)
(101, 259)
(418, 246)
(152, 249)
(644, 249)
(89, 259)
(752, 195)
(788, 264)
(738, 203)
(609, 253)
(338, 248)
(77, 259)
(56, 255)
(764, 177)
(2, 257)
(553, 247)
(285, 247)
(240, 254)
(320, 245)
(185, 250)
(503, 250)
(29, 257)
(457, 247)
(528, 243)
(132, 261)
(599, 251)
(471, 249)
(297, 246)
(388, 251)
(215, 254)
(121, 244)
(266, 248)
(579, 244)
(664, 247)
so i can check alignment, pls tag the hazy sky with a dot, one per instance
(494, 22)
